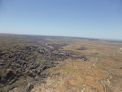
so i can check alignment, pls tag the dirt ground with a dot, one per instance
(101, 73)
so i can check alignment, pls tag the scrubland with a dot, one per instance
(59, 64)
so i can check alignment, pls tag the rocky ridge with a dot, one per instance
(31, 61)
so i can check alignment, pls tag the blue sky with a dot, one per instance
(81, 18)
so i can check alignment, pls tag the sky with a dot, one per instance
(80, 18)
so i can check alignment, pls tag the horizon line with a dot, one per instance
(78, 37)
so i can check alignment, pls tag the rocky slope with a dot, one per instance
(30, 63)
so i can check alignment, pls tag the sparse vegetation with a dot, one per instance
(37, 64)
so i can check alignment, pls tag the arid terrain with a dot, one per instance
(59, 64)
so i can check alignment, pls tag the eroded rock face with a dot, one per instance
(31, 62)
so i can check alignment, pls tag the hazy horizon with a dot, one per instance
(100, 19)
